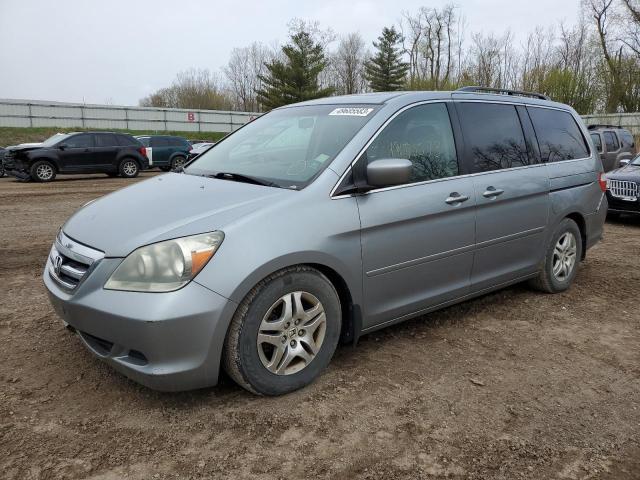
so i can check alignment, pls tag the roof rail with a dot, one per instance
(503, 91)
(602, 125)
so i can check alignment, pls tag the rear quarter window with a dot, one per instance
(559, 136)
(627, 139)
(128, 141)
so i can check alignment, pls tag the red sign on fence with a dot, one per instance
(191, 117)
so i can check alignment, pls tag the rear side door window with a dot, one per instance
(559, 136)
(106, 140)
(493, 137)
(611, 141)
(159, 142)
(423, 135)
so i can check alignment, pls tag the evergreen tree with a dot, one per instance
(386, 71)
(296, 78)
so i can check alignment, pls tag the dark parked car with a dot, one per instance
(2, 152)
(613, 143)
(623, 188)
(165, 151)
(85, 152)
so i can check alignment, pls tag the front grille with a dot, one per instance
(70, 262)
(623, 188)
(67, 271)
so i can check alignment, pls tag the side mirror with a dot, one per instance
(62, 146)
(624, 162)
(389, 172)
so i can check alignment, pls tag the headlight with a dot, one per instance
(165, 266)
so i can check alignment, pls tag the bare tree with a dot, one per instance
(197, 89)
(346, 65)
(243, 72)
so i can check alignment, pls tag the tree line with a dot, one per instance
(593, 65)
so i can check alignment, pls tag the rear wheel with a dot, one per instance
(284, 332)
(43, 171)
(561, 259)
(129, 168)
(178, 162)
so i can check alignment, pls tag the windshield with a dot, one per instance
(636, 161)
(287, 147)
(51, 141)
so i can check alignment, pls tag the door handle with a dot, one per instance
(492, 192)
(456, 199)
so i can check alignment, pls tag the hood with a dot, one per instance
(164, 207)
(24, 146)
(628, 172)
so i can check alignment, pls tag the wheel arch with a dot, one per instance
(349, 300)
(582, 226)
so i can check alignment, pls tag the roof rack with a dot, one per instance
(503, 91)
(602, 125)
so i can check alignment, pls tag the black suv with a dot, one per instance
(84, 152)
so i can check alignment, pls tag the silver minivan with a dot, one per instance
(323, 221)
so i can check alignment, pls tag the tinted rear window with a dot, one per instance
(559, 136)
(179, 142)
(493, 136)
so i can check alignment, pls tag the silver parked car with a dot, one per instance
(323, 221)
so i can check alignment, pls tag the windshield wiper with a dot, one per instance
(238, 177)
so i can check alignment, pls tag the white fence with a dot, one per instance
(32, 113)
(630, 121)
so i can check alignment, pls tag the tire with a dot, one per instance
(43, 171)
(613, 216)
(561, 260)
(165, 169)
(286, 362)
(129, 168)
(177, 162)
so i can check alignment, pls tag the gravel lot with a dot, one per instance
(515, 384)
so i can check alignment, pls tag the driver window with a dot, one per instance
(422, 135)
(80, 141)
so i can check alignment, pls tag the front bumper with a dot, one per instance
(165, 341)
(617, 205)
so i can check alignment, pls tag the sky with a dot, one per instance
(117, 51)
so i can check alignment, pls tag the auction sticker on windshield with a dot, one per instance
(352, 111)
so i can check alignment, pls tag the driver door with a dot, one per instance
(417, 239)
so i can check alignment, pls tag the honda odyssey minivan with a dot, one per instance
(323, 221)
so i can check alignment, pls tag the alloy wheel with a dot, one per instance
(291, 333)
(44, 172)
(564, 256)
(130, 168)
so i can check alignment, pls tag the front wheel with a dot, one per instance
(561, 259)
(43, 171)
(129, 168)
(284, 332)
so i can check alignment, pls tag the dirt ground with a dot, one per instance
(516, 384)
